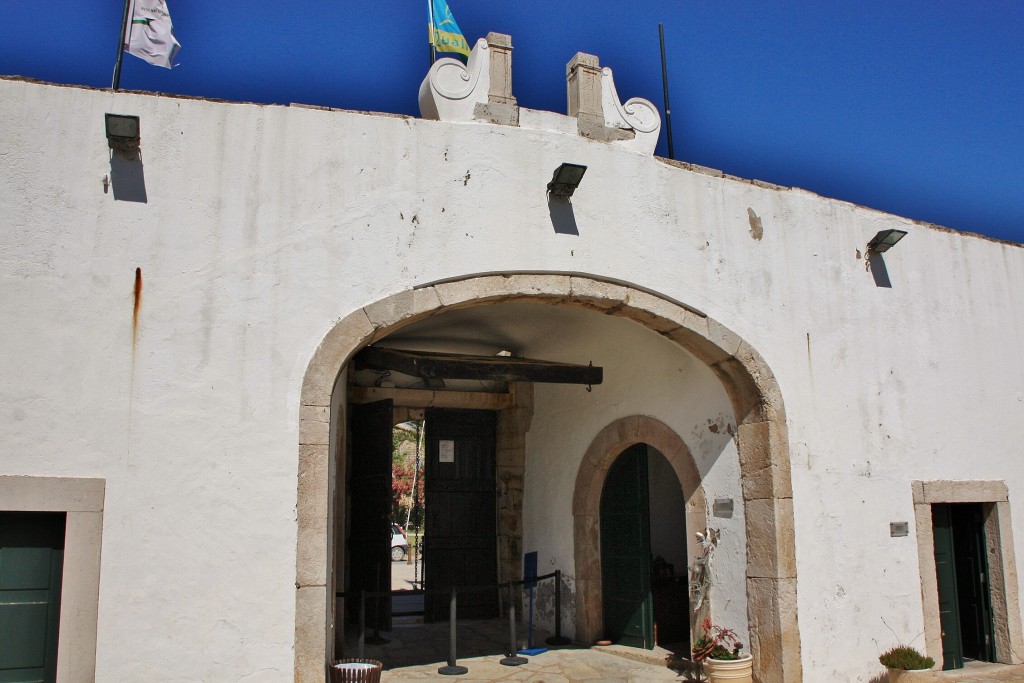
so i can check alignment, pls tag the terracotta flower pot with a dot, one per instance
(730, 670)
(911, 676)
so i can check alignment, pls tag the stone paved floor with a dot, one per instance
(416, 651)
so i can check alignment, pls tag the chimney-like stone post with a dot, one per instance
(500, 46)
(583, 79)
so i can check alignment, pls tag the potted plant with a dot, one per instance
(718, 653)
(906, 664)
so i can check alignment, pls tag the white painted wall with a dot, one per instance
(265, 225)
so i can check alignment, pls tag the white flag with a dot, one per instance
(151, 34)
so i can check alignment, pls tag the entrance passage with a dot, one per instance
(961, 565)
(31, 568)
(460, 540)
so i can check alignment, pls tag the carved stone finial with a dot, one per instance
(583, 80)
(500, 45)
(594, 102)
(479, 90)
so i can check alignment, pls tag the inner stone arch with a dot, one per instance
(603, 451)
(761, 444)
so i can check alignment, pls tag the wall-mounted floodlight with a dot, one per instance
(123, 133)
(885, 240)
(566, 179)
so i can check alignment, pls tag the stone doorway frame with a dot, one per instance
(1002, 564)
(606, 447)
(762, 442)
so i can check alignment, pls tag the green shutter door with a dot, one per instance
(626, 551)
(31, 567)
(945, 570)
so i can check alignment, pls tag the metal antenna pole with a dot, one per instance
(664, 82)
(120, 46)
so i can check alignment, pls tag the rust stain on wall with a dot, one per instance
(137, 305)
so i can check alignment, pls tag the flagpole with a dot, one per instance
(430, 21)
(120, 47)
(664, 82)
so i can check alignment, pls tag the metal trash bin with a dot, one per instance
(350, 670)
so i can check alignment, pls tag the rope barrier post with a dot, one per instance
(512, 659)
(362, 624)
(452, 669)
(558, 638)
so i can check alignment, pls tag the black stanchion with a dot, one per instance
(512, 659)
(362, 624)
(558, 638)
(452, 669)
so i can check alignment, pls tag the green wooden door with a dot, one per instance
(31, 567)
(973, 594)
(945, 570)
(961, 565)
(626, 551)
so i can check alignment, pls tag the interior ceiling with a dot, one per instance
(488, 329)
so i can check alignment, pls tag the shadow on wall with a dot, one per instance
(562, 217)
(127, 177)
(878, 270)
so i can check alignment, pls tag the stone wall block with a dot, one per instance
(770, 548)
(312, 513)
(743, 393)
(765, 473)
(764, 379)
(314, 425)
(965, 491)
(404, 307)
(331, 355)
(310, 627)
(597, 294)
(774, 643)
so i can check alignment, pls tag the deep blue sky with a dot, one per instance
(911, 106)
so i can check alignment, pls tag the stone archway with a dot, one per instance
(586, 502)
(761, 436)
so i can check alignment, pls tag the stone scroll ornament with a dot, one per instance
(700, 571)
(451, 89)
(636, 114)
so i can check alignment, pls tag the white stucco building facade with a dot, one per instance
(179, 330)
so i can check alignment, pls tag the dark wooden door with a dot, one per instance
(945, 570)
(973, 594)
(626, 551)
(460, 543)
(31, 568)
(369, 540)
(965, 600)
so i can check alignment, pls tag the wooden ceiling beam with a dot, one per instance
(442, 366)
(425, 398)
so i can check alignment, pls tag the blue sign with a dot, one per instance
(530, 569)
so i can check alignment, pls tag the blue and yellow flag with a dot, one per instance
(445, 34)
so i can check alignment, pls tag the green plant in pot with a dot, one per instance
(718, 651)
(905, 664)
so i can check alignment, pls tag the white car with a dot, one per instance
(399, 543)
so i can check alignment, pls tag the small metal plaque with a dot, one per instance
(446, 451)
(897, 529)
(723, 507)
